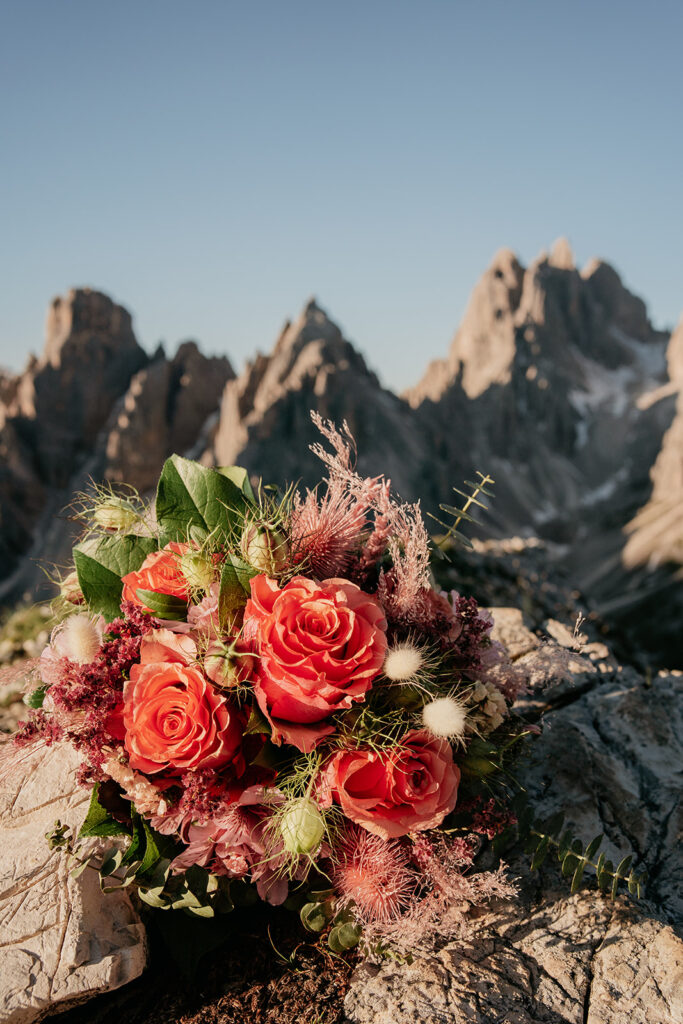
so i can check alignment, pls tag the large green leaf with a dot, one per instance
(100, 564)
(194, 501)
(98, 821)
(239, 476)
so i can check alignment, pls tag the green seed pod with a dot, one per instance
(197, 569)
(301, 826)
(264, 549)
(115, 515)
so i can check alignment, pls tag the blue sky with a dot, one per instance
(212, 164)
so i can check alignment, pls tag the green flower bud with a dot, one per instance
(116, 515)
(197, 570)
(264, 549)
(301, 826)
(70, 589)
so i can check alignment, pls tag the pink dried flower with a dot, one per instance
(136, 788)
(203, 617)
(374, 875)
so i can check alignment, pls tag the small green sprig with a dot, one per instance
(452, 533)
(574, 858)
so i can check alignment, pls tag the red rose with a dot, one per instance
(321, 646)
(159, 572)
(173, 717)
(407, 788)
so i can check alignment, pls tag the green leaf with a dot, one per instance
(540, 854)
(313, 917)
(153, 898)
(258, 723)
(240, 477)
(111, 863)
(554, 825)
(569, 864)
(344, 937)
(35, 699)
(98, 821)
(78, 871)
(624, 865)
(200, 911)
(164, 606)
(605, 874)
(565, 844)
(102, 561)
(578, 875)
(152, 851)
(194, 501)
(269, 756)
(593, 847)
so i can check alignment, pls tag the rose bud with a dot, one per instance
(197, 570)
(264, 548)
(115, 515)
(301, 826)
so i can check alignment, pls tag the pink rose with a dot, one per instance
(173, 717)
(321, 646)
(404, 789)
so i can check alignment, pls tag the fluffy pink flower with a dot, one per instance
(374, 876)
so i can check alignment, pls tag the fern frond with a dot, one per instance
(540, 839)
(463, 513)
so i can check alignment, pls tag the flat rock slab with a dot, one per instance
(578, 960)
(62, 941)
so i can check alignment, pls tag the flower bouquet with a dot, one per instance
(272, 699)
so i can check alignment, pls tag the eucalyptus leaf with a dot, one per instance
(313, 917)
(344, 937)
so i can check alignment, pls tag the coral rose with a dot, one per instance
(159, 572)
(407, 788)
(174, 719)
(321, 646)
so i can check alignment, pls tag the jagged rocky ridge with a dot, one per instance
(556, 384)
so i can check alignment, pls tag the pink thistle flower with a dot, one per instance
(374, 875)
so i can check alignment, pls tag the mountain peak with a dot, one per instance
(561, 255)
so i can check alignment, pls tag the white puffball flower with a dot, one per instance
(445, 717)
(403, 662)
(79, 638)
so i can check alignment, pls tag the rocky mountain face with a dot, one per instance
(265, 421)
(93, 406)
(556, 384)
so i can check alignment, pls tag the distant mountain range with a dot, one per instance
(556, 384)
